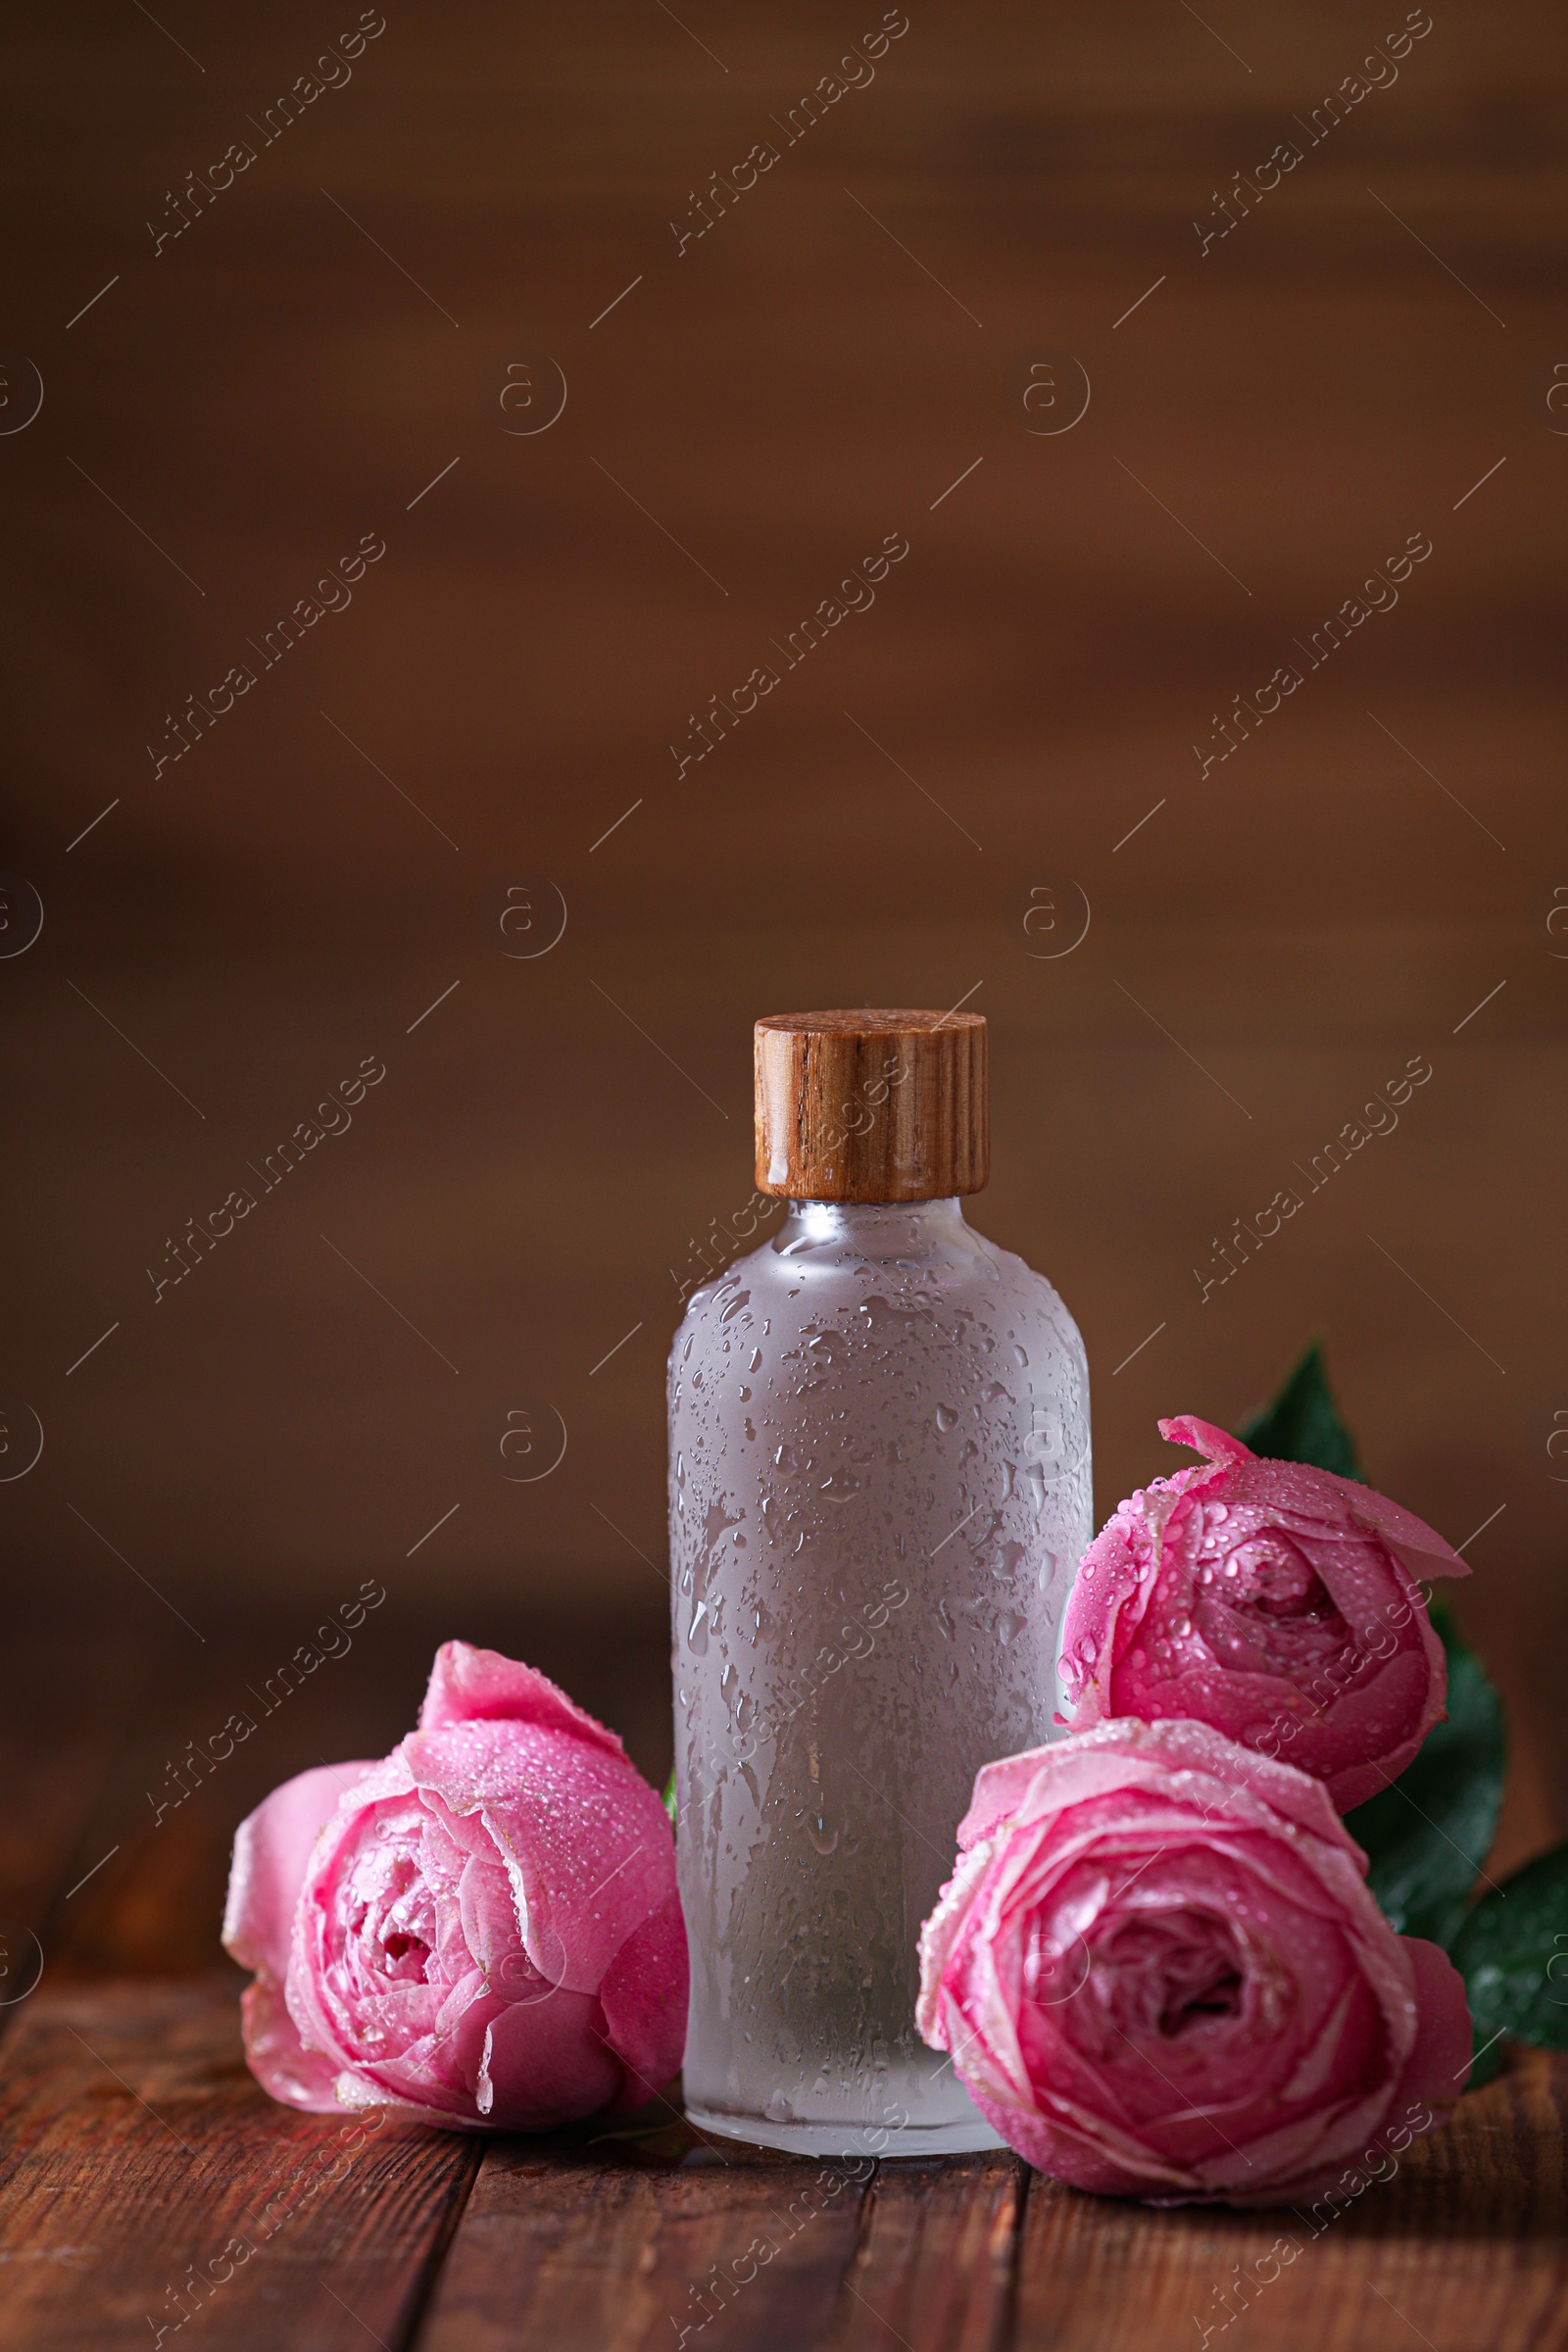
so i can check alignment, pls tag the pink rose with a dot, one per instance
(1280, 1604)
(1160, 1975)
(483, 1926)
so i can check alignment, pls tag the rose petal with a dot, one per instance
(1439, 2065)
(271, 1848)
(469, 1685)
(643, 1997)
(1198, 1599)
(548, 2063)
(1215, 1444)
(586, 1841)
(277, 2056)
(1242, 2025)
(432, 1933)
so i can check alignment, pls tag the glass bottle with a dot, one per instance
(879, 1492)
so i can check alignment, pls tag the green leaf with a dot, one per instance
(1484, 2065)
(1303, 1422)
(670, 1796)
(1512, 1952)
(1427, 1834)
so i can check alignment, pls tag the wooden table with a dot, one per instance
(138, 2157)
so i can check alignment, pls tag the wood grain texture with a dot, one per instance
(733, 2250)
(937, 2259)
(54, 1763)
(1035, 671)
(137, 2150)
(871, 1105)
(514, 676)
(147, 2181)
(1464, 2246)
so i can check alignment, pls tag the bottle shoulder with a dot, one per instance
(960, 1280)
(708, 1300)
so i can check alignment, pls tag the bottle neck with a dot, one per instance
(873, 1229)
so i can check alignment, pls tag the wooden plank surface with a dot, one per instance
(272, 908)
(66, 1710)
(138, 2150)
(147, 2183)
(1463, 2248)
(936, 2261)
(627, 2255)
(737, 2249)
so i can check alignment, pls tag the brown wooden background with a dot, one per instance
(549, 1139)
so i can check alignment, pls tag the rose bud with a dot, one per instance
(1160, 1975)
(1278, 1602)
(483, 1928)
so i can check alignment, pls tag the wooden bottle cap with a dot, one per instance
(871, 1105)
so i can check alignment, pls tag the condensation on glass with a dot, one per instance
(879, 1491)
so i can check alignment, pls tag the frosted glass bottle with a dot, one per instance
(879, 1492)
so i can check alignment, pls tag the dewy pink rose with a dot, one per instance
(1280, 1604)
(1160, 1975)
(483, 1926)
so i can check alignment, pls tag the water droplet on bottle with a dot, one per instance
(842, 1453)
